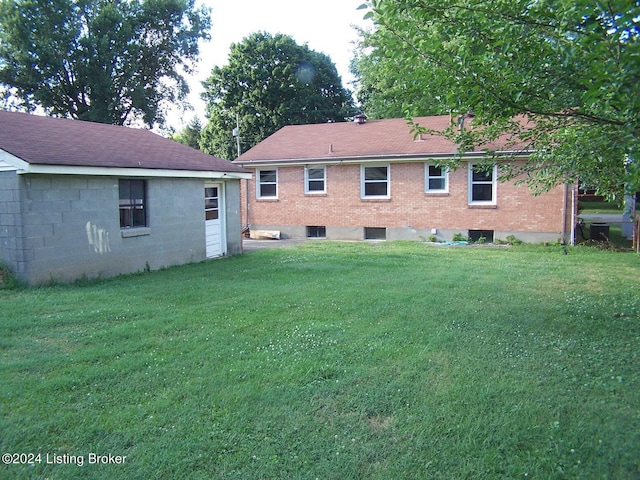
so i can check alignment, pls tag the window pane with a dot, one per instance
(211, 214)
(482, 193)
(374, 233)
(436, 184)
(375, 173)
(375, 189)
(125, 190)
(125, 218)
(267, 176)
(315, 173)
(435, 171)
(316, 185)
(137, 189)
(268, 190)
(138, 217)
(211, 192)
(483, 176)
(210, 203)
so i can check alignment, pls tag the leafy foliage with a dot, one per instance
(562, 77)
(269, 82)
(190, 135)
(99, 60)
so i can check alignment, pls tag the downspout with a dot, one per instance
(246, 200)
(563, 234)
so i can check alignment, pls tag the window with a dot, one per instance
(481, 236)
(375, 182)
(133, 203)
(267, 186)
(211, 205)
(375, 233)
(314, 180)
(316, 232)
(482, 185)
(436, 179)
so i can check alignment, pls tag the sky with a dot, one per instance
(324, 25)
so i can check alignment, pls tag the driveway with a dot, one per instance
(615, 218)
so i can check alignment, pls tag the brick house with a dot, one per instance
(82, 199)
(374, 180)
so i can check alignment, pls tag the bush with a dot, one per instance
(459, 237)
(7, 278)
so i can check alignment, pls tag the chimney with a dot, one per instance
(360, 119)
(462, 118)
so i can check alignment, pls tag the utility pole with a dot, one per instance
(236, 133)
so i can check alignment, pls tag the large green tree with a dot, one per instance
(190, 135)
(571, 68)
(270, 81)
(109, 61)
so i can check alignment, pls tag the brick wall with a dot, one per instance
(516, 209)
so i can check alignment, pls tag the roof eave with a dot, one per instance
(128, 172)
(392, 158)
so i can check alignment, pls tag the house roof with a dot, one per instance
(374, 139)
(46, 141)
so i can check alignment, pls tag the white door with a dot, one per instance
(213, 220)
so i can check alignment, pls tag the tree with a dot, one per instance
(190, 135)
(570, 68)
(381, 92)
(269, 82)
(108, 61)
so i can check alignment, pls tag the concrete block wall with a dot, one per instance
(232, 216)
(409, 213)
(71, 227)
(11, 246)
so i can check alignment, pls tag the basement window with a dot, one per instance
(317, 232)
(481, 236)
(375, 233)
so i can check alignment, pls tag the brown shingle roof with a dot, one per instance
(55, 141)
(333, 141)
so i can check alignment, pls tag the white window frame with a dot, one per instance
(307, 180)
(363, 183)
(493, 183)
(259, 183)
(444, 175)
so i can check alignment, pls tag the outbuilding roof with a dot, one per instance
(372, 139)
(47, 141)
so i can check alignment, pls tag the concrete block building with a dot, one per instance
(81, 199)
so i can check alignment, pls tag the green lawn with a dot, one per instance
(332, 361)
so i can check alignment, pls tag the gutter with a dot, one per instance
(129, 172)
(393, 158)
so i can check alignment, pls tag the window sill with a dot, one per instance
(273, 199)
(312, 194)
(135, 232)
(374, 200)
(436, 194)
(483, 206)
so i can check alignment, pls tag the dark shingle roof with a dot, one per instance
(55, 141)
(350, 140)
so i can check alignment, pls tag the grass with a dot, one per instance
(595, 206)
(333, 361)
